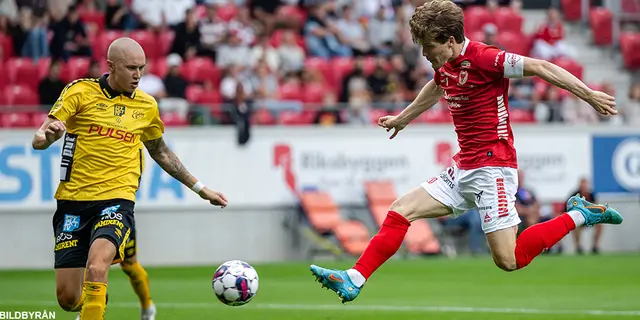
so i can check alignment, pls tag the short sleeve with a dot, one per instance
(156, 127)
(501, 64)
(68, 104)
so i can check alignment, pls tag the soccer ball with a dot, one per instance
(235, 283)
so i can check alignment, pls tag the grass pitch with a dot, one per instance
(552, 287)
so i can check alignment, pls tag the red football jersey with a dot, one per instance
(476, 87)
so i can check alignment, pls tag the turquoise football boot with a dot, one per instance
(593, 213)
(337, 281)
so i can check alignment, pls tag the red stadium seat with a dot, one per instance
(601, 21)
(15, 120)
(513, 42)
(321, 65)
(93, 20)
(296, 118)
(23, 71)
(263, 116)
(193, 93)
(276, 39)
(293, 13)
(75, 68)
(476, 36)
(290, 91)
(102, 42)
(313, 93)
(19, 95)
(508, 20)
(339, 68)
(165, 39)
(200, 70)
(572, 9)
(173, 119)
(227, 12)
(570, 65)
(6, 47)
(148, 41)
(475, 17)
(4, 80)
(37, 119)
(521, 116)
(630, 45)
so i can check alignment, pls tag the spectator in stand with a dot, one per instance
(379, 82)
(157, 14)
(321, 37)
(266, 86)
(49, 88)
(243, 28)
(264, 11)
(213, 31)
(69, 37)
(30, 36)
(187, 37)
(262, 51)
(152, 84)
(175, 87)
(233, 52)
(291, 55)
(236, 75)
(547, 106)
(527, 204)
(382, 32)
(94, 70)
(174, 84)
(631, 110)
(329, 114)
(585, 190)
(352, 32)
(576, 111)
(118, 16)
(549, 40)
(356, 76)
(490, 31)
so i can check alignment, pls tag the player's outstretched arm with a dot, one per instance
(427, 98)
(169, 162)
(51, 130)
(561, 78)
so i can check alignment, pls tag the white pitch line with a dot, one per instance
(338, 307)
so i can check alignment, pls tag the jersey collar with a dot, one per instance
(464, 46)
(111, 93)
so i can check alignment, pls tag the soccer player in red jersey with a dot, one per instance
(474, 80)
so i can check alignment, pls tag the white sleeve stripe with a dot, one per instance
(513, 65)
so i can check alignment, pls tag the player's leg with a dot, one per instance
(72, 235)
(431, 200)
(139, 280)
(69, 290)
(110, 232)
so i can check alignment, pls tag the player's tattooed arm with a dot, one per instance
(168, 161)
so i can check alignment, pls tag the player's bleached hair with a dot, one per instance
(437, 20)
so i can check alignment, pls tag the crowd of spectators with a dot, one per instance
(343, 59)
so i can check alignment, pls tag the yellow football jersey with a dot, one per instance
(102, 156)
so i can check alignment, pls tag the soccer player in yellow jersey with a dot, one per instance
(107, 121)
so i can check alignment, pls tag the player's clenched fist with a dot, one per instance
(54, 131)
(214, 197)
(603, 103)
(391, 122)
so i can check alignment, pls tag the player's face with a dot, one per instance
(127, 72)
(438, 53)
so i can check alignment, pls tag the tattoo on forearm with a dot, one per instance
(168, 161)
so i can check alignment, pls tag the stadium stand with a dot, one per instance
(207, 46)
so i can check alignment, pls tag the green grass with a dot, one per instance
(552, 287)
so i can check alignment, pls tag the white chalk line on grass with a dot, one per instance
(312, 307)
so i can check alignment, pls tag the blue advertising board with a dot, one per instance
(616, 164)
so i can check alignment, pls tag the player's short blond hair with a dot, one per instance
(437, 20)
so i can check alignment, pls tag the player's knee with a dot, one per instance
(506, 263)
(67, 300)
(403, 207)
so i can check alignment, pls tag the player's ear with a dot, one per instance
(111, 66)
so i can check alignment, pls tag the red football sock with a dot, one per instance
(542, 236)
(384, 244)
